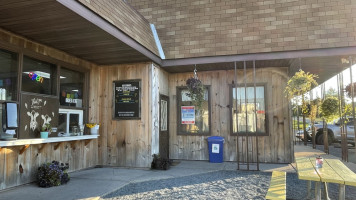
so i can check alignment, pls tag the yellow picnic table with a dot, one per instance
(333, 171)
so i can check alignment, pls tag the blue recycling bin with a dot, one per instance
(216, 147)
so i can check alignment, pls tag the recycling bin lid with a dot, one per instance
(215, 138)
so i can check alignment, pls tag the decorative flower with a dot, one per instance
(91, 125)
(52, 174)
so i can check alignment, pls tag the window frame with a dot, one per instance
(179, 97)
(55, 75)
(231, 87)
(68, 112)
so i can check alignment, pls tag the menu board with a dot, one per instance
(127, 99)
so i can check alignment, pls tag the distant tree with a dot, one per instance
(331, 92)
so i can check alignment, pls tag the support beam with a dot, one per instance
(42, 147)
(86, 142)
(57, 145)
(73, 144)
(24, 149)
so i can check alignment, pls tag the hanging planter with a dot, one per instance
(196, 90)
(330, 109)
(349, 91)
(300, 84)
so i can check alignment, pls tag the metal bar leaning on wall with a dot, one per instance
(254, 85)
(246, 118)
(237, 127)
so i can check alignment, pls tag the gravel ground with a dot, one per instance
(217, 185)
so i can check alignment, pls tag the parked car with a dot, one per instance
(334, 131)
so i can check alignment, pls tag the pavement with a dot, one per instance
(96, 182)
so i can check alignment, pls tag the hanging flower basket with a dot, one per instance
(330, 109)
(300, 83)
(196, 91)
(349, 91)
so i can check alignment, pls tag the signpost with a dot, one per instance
(127, 99)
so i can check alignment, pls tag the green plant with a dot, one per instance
(300, 84)
(196, 91)
(46, 128)
(330, 109)
(52, 174)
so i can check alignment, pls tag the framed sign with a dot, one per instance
(188, 114)
(126, 101)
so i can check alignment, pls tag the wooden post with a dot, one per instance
(341, 191)
(308, 189)
(317, 190)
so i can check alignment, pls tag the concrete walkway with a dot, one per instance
(96, 182)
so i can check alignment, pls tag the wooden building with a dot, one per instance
(87, 51)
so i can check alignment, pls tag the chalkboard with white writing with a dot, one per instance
(127, 99)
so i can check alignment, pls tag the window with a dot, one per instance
(248, 112)
(71, 87)
(191, 120)
(69, 121)
(38, 76)
(8, 76)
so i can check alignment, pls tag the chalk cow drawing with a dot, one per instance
(35, 112)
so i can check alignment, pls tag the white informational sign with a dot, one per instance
(215, 148)
(188, 114)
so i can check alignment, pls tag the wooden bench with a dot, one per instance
(277, 187)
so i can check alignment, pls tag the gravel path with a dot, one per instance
(217, 185)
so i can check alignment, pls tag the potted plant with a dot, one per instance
(52, 174)
(94, 128)
(46, 130)
(160, 163)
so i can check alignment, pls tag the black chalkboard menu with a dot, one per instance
(127, 99)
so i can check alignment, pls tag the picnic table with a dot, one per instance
(332, 171)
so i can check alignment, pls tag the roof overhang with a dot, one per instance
(324, 62)
(73, 28)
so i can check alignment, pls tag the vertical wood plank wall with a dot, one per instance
(275, 148)
(125, 142)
